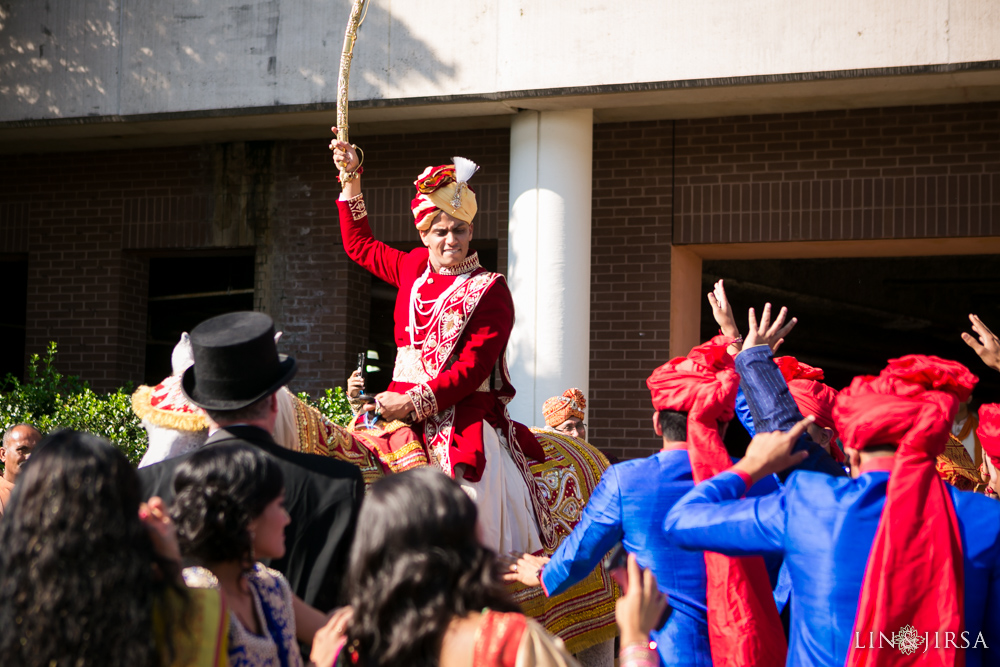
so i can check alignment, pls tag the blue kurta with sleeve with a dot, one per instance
(628, 505)
(769, 406)
(762, 384)
(824, 527)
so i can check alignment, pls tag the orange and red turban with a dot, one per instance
(814, 398)
(558, 409)
(444, 188)
(743, 624)
(914, 572)
(989, 431)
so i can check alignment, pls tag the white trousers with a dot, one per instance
(506, 518)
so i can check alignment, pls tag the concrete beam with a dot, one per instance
(816, 91)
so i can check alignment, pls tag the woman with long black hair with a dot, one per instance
(88, 575)
(423, 588)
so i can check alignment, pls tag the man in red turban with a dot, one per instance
(743, 623)
(893, 553)
(723, 610)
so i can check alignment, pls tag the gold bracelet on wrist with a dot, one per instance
(350, 176)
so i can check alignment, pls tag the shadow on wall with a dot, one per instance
(78, 58)
(50, 54)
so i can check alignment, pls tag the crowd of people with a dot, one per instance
(840, 538)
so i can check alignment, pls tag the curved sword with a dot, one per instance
(358, 11)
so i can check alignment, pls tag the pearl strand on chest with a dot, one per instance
(428, 308)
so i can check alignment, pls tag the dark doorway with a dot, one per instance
(13, 315)
(855, 314)
(381, 341)
(184, 291)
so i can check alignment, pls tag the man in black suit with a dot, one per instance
(236, 372)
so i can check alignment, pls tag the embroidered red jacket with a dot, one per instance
(480, 346)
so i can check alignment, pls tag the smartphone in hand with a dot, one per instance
(363, 371)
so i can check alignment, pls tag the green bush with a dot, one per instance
(333, 405)
(51, 400)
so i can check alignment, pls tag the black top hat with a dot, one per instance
(236, 362)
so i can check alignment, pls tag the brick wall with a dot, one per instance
(838, 175)
(76, 216)
(629, 281)
(88, 222)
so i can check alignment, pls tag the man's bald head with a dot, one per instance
(18, 443)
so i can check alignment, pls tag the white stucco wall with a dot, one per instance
(78, 58)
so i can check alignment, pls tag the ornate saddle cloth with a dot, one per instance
(397, 446)
(957, 468)
(585, 614)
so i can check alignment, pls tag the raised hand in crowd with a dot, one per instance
(985, 343)
(723, 314)
(525, 569)
(765, 332)
(771, 453)
(638, 612)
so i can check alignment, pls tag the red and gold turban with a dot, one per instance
(914, 572)
(743, 623)
(989, 431)
(814, 398)
(558, 409)
(444, 188)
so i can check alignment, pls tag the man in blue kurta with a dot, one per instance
(825, 527)
(628, 505)
(768, 391)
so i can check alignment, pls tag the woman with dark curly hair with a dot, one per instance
(424, 590)
(83, 579)
(229, 509)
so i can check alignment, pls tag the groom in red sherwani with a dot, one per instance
(453, 319)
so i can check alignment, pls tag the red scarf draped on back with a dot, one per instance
(914, 575)
(743, 624)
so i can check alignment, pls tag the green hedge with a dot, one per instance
(333, 404)
(51, 400)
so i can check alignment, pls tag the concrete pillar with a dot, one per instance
(549, 256)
